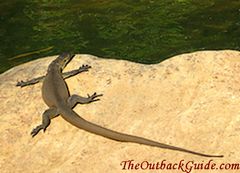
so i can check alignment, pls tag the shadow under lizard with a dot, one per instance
(56, 95)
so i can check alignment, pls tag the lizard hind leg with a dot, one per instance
(46, 120)
(75, 99)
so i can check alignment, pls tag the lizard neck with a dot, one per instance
(59, 63)
(55, 67)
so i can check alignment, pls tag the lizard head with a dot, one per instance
(64, 59)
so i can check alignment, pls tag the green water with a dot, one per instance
(145, 31)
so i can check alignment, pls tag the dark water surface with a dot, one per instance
(145, 31)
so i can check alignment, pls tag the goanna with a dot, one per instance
(56, 95)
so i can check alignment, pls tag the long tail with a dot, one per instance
(73, 118)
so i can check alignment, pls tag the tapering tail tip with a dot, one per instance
(217, 156)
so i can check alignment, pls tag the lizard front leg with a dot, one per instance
(30, 82)
(65, 75)
(75, 99)
(46, 120)
(81, 69)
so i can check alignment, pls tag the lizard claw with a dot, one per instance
(84, 67)
(35, 131)
(93, 96)
(21, 83)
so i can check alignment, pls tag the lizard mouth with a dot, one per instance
(65, 58)
(69, 59)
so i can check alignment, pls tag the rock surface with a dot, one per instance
(191, 101)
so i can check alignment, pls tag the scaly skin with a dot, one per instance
(56, 95)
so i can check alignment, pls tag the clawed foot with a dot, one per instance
(93, 97)
(37, 129)
(84, 68)
(21, 83)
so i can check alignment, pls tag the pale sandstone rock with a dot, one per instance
(191, 101)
